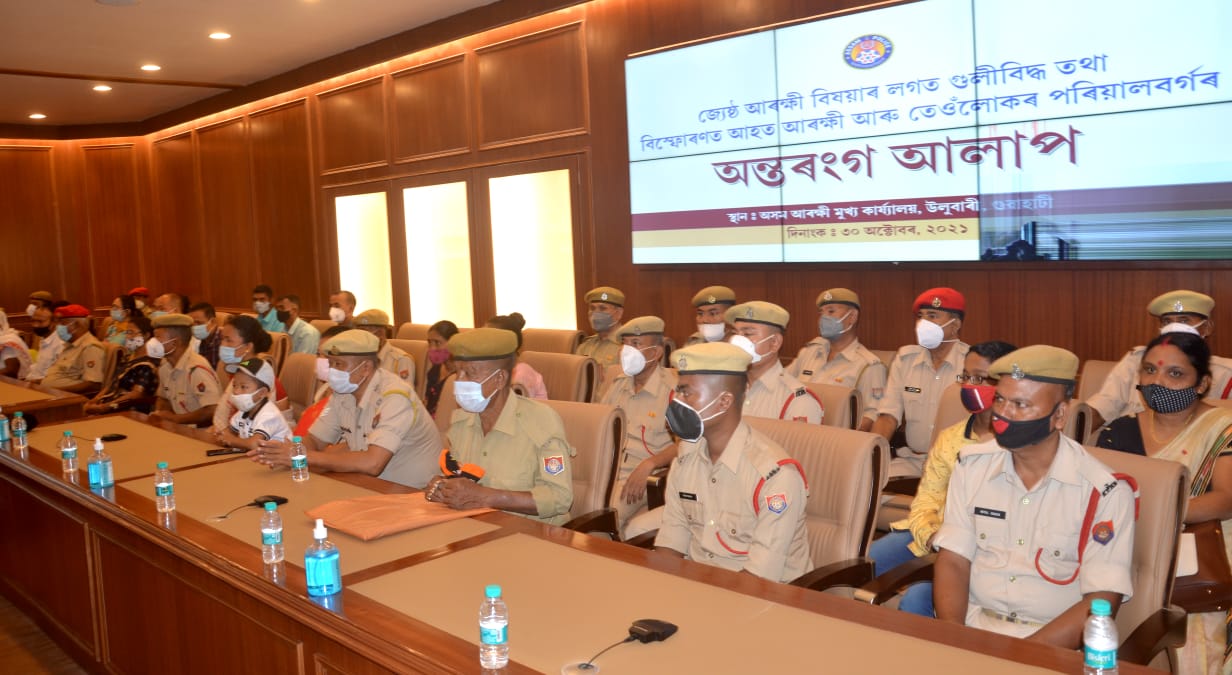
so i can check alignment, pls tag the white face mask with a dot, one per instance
(1178, 327)
(929, 335)
(30, 308)
(340, 380)
(322, 369)
(713, 332)
(337, 315)
(632, 360)
(156, 349)
(469, 394)
(243, 402)
(749, 346)
(260, 306)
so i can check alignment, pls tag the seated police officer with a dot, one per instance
(772, 391)
(711, 304)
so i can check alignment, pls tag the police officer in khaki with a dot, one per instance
(606, 306)
(518, 442)
(837, 357)
(711, 304)
(79, 366)
(1181, 310)
(641, 390)
(772, 392)
(373, 424)
(735, 499)
(1035, 528)
(920, 373)
(395, 360)
(188, 388)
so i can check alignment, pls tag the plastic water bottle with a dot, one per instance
(164, 489)
(323, 576)
(99, 467)
(493, 630)
(5, 437)
(1099, 640)
(68, 452)
(271, 535)
(20, 442)
(299, 460)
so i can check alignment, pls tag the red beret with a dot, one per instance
(942, 298)
(72, 312)
(140, 290)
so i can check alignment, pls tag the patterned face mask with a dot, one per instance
(1164, 400)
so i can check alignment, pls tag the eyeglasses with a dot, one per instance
(974, 379)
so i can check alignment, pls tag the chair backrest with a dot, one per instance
(950, 411)
(111, 361)
(595, 431)
(322, 325)
(550, 340)
(1164, 495)
(1078, 421)
(886, 355)
(418, 349)
(413, 331)
(567, 377)
(99, 326)
(846, 471)
(279, 348)
(843, 406)
(1093, 375)
(299, 378)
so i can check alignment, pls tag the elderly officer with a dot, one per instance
(642, 391)
(1034, 528)
(373, 424)
(734, 498)
(772, 392)
(920, 373)
(518, 442)
(606, 306)
(188, 387)
(1187, 311)
(79, 366)
(837, 357)
(711, 304)
(392, 359)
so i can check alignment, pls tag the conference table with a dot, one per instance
(44, 403)
(125, 589)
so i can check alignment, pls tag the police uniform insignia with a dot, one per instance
(603, 296)
(800, 392)
(1102, 532)
(748, 313)
(1016, 372)
(827, 296)
(711, 299)
(936, 301)
(1179, 306)
(89, 364)
(777, 503)
(402, 374)
(877, 393)
(201, 387)
(637, 330)
(682, 364)
(554, 464)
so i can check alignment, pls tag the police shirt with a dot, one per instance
(780, 396)
(397, 362)
(605, 351)
(913, 390)
(80, 361)
(855, 367)
(188, 385)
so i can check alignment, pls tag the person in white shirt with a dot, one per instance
(50, 344)
(256, 418)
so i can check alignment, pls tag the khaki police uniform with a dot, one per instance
(1119, 394)
(398, 362)
(525, 451)
(79, 361)
(778, 395)
(1014, 536)
(646, 430)
(855, 367)
(605, 351)
(388, 415)
(188, 385)
(744, 512)
(913, 394)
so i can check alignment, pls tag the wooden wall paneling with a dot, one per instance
(483, 280)
(29, 223)
(113, 227)
(177, 258)
(399, 277)
(533, 87)
(431, 110)
(283, 207)
(351, 127)
(1110, 308)
(231, 252)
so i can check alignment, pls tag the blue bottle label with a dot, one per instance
(1100, 658)
(494, 636)
(20, 433)
(68, 453)
(299, 462)
(4, 431)
(271, 537)
(164, 489)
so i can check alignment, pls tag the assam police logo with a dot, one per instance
(868, 51)
(554, 464)
(777, 503)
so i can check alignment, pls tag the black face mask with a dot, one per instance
(1164, 400)
(283, 317)
(41, 331)
(1014, 434)
(686, 422)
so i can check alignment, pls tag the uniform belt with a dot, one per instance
(1005, 617)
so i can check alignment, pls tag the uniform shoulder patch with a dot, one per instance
(554, 464)
(1102, 532)
(777, 503)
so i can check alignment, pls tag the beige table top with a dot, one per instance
(12, 396)
(553, 622)
(206, 491)
(136, 455)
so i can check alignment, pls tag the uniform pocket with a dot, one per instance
(1057, 558)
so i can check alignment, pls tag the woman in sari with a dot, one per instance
(123, 310)
(1179, 426)
(135, 383)
(440, 368)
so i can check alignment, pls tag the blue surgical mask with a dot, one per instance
(117, 314)
(201, 331)
(63, 333)
(157, 313)
(227, 355)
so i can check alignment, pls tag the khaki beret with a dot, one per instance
(372, 317)
(353, 342)
(257, 367)
(41, 295)
(611, 296)
(711, 358)
(1182, 302)
(1042, 363)
(758, 311)
(714, 295)
(946, 299)
(169, 320)
(841, 296)
(483, 344)
(75, 312)
(642, 325)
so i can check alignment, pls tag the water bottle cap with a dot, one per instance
(493, 591)
(271, 506)
(296, 439)
(17, 414)
(67, 432)
(162, 465)
(1101, 607)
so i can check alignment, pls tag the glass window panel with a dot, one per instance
(438, 254)
(363, 250)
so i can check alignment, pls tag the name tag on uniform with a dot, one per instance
(806, 372)
(912, 390)
(688, 496)
(989, 513)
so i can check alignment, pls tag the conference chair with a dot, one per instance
(413, 331)
(843, 406)
(567, 377)
(551, 340)
(1078, 421)
(279, 348)
(596, 432)
(322, 325)
(1092, 378)
(98, 326)
(669, 346)
(111, 362)
(1151, 625)
(299, 379)
(896, 502)
(418, 349)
